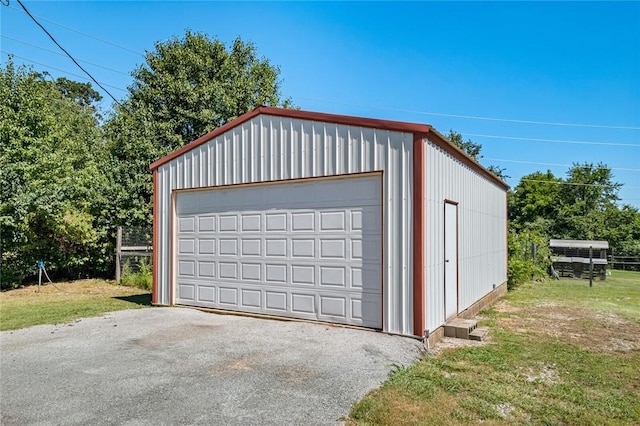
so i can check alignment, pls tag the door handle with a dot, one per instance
(447, 261)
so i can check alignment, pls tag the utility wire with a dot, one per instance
(559, 165)
(579, 184)
(474, 117)
(66, 72)
(76, 31)
(68, 54)
(515, 138)
(62, 54)
(561, 141)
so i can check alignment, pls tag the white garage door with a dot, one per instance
(307, 249)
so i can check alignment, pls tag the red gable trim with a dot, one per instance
(440, 140)
(202, 139)
(418, 130)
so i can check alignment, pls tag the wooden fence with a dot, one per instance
(626, 263)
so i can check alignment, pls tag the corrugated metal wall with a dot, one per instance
(268, 148)
(482, 234)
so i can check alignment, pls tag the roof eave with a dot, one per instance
(418, 130)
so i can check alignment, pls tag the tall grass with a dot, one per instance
(142, 278)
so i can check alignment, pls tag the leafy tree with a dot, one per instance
(535, 201)
(471, 148)
(82, 93)
(622, 230)
(498, 171)
(588, 193)
(51, 180)
(186, 87)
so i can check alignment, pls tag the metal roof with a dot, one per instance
(584, 244)
(562, 259)
(418, 130)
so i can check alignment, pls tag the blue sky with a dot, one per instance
(437, 63)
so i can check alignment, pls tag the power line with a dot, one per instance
(68, 54)
(578, 184)
(80, 32)
(558, 165)
(473, 117)
(64, 71)
(62, 54)
(553, 140)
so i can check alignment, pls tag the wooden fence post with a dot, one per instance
(118, 254)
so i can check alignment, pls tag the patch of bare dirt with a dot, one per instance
(541, 372)
(453, 343)
(597, 330)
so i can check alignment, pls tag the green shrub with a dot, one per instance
(524, 264)
(143, 278)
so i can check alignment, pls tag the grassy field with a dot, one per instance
(558, 352)
(26, 306)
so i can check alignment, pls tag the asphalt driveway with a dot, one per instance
(182, 366)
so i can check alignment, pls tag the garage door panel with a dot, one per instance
(303, 248)
(334, 306)
(186, 268)
(251, 272)
(276, 222)
(315, 254)
(229, 296)
(331, 248)
(303, 275)
(228, 223)
(206, 224)
(187, 291)
(276, 300)
(206, 293)
(206, 246)
(206, 269)
(303, 303)
(275, 247)
(228, 246)
(303, 221)
(186, 224)
(276, 273)
(251, 223)
(332, 276)
(251, 299)
(251, 247)
(186, 246)
(332, 221)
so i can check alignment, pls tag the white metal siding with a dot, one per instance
(306, 249)
(268, 148)
(482, 234)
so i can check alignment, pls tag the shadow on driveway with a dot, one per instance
(138, 299)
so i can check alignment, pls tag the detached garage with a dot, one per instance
(356, 221)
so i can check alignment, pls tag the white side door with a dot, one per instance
(451, 260)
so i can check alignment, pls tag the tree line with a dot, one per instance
(69, 176)
(582, 205)
(70, 173)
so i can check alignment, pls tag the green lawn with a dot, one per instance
(559, 352)
(27, 306)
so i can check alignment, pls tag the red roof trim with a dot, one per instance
(418, 130)
(441, 140)
(202, 139)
